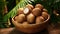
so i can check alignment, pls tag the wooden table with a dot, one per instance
(49, 30)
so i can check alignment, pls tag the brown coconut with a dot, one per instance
(27, 11)
(39, 20)
(30, 6)
(45, 15)
(39, 6)
(30, 18)
(36, 12)
(20, 18)
(20, 11)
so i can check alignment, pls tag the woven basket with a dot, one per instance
(31, 28)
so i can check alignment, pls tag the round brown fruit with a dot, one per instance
(26, 11)
(39, 6)
(29, 6)
(20, 11)
(45, 15)
(36, 12)
(39, 20)
(20, 18)
(30, 18)
(45, 10)
(25, 24)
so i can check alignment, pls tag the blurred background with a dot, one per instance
(8, 9)
(5, 7)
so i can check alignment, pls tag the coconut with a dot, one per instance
(25, 24)
(45, 15)
(39, 6)
(26, 11)
(20, 18)
(29, 6)
(30, 18)
(36, 12)
(39, 20)
(20, 11)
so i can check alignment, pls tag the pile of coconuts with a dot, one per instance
(31, 14)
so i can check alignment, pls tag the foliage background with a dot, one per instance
(13, 5)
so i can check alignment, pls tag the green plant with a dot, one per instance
(2, 5)
(50, 5)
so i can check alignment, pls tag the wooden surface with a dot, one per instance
(50, 30)
(14, 31)
(54, 29)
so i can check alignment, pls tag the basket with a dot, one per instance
(31, 28)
